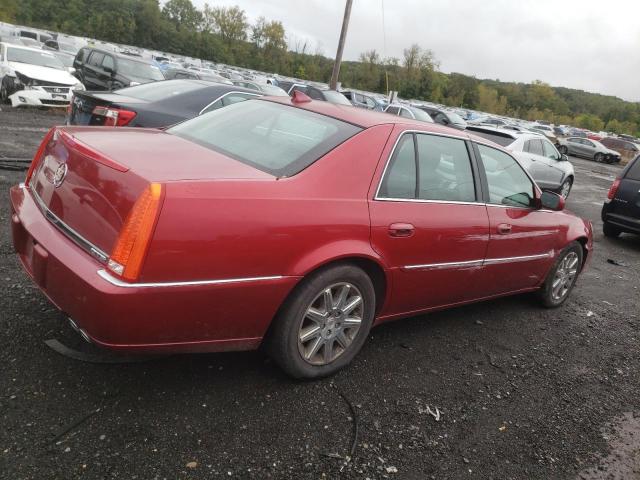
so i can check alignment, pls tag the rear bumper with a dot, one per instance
(170, 317)
(628, 224)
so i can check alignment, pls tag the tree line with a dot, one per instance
(225, 35)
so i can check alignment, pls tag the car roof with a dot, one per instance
(119, 55)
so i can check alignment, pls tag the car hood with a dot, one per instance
(44, 74)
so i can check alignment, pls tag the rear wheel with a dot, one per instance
(324, 323)
(562, 276)
(610, 231)
(598, 157)
(6, 89)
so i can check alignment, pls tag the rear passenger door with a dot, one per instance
(522, 238)
(428, 222)
(92, 69)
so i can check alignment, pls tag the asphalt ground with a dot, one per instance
(521, 392)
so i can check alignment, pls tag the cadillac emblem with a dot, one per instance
(61, 173)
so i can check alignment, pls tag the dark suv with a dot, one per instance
(621, 210)
(104, 70)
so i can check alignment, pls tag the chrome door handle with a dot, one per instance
(504, 228)
(401, 230)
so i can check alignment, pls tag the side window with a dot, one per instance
(358, 98)
(508, 184)
(370, 102)
(588, 143)
(95, 59)
(400, 178)
(535, 147)
(406, 113)
(81, 54)
(444, 169)
(393, 110)
(526, 147)
(108, 62)
(550, 151)
(314, 94)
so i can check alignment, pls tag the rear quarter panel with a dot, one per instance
(251, 228)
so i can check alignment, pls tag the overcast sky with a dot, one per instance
(592, 45)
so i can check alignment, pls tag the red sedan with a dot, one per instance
(288, 222)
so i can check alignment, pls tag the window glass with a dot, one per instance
(400, 178)
(334, 97)
(508, 184)
(278, 139)
(370, 102)
(358, 98)
(235, 98)
(108, 62)
(444, 169)
(393, 110)
(535, 147)
(634, 171)
(550, 151)
(95, 59)
(588, 143)
(405, 113)
(132, 68)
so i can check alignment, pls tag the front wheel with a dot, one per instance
(598, 157)
(6, 89)
(562, 276)
(324, 323)
(565, 189)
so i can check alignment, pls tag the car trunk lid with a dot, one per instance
(82, 107)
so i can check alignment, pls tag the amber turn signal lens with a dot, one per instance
(132, 244)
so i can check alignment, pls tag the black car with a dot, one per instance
(104, 70)
(444, 117)
(153, 105)
(621, 210)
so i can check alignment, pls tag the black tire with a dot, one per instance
(282, 343)
(567, 184)
(598, 157)
(6, 89)
(563, 149)
(546, 293)
(610, 231)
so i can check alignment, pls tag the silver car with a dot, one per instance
(587, 148)
(550, 169)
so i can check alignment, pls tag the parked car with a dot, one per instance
(105, 70)
(174, 73)
(627, 149)
(592, 149)
(621, 209)
(547, 132)
(496, 122)
(33, 77)
(363, 100)
(39, 37)
(323, 94)
(200, 238)
(549, 168)
(60, 46)
(264, 88)
(407, 111)
(157, 104)
(444, 117)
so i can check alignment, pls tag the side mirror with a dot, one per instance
(551, 201)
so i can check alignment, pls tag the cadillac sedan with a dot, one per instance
(288, 223)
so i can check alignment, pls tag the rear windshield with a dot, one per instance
(139, 69)
(634, 171)
(155, 91)
(277, 139)
(499, 138)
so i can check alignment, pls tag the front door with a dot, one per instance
(429, 224)
(522, 238)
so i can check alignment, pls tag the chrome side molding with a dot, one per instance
(478, 263)
(119, 283)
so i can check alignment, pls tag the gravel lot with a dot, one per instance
(522, 392)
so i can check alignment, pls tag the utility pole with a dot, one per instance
(343, 38)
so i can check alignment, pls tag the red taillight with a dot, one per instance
(114, 117)
(614, 189)
(39, 154)
(133, 241)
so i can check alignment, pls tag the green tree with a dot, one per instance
(228, 22)
(182, 14)
(589, 121)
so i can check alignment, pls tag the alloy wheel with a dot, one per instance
(566, 188)
(598, 157)
(564, 277)
(330, 323)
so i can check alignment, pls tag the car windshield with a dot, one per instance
(278, 139)
(42, 59)
(336, 97)
(420, 114)
(155, 91)
(139, 69)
